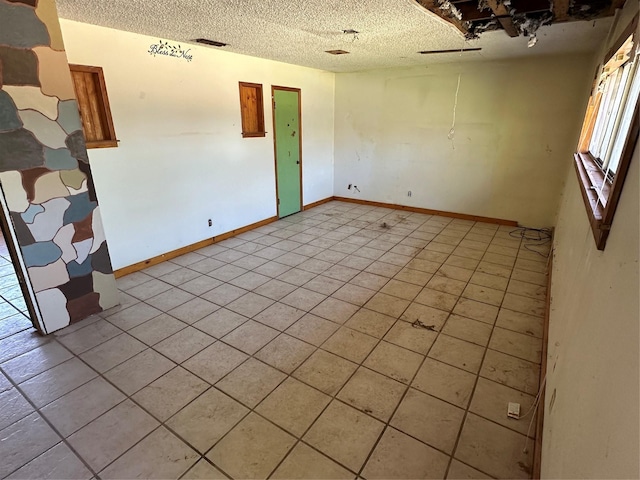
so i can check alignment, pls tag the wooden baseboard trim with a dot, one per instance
(136, 267)
(537, 446)
(428, 211)
(318, 203)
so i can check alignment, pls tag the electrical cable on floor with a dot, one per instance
(541, 235)
(533, 407)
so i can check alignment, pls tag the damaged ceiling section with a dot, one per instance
(516, 17)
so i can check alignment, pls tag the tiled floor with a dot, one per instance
(344, 341)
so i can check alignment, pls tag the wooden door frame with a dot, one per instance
(275, 150)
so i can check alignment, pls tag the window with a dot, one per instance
(91, 92)
(609, 133)
(252, 110)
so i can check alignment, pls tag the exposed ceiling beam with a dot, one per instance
(615, 4)
(432, 6)
(561, 10)
(503, 16)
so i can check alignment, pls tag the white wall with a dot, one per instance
(516, 125)
(181, 158)
(592, 427)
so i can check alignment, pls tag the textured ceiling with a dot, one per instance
(391, 32)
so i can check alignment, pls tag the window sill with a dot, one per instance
(588, 173)
(253, 134)
(103, 144)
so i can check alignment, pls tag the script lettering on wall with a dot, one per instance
(163, 48)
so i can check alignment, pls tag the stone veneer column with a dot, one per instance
(44, 169)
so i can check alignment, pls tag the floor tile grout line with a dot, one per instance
(62, 438)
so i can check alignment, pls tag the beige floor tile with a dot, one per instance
(285, 353)
(462, 262)
(460, 471)
(526, 289)
(113, 352)
(169, 299)
(133, 316)
(23, 441)
(306, 463)
(324, 285)
(57, 462)
(387, 304)
(312, 265)
(82, 405)
(445, 382)
(444, 284)
(531, 277)
(203, 266)
(398, 456)
(303, 299)
(325, 371)
(359, 263)
(295, 276)
(440, 300)
(490, 400)
(250, 336)
(224, 294)
(370, 322)
(203, 470)
(491, 281)
(494, 269)
(538, 266)
(38, 360)
(455, 273)
(207, 419)
(369, 280)
(395, 259)
(220, 322)
(344, 434)
(293, 406)
(250, 304)
(252, 449)
(109, 436)
(157, 329)
(372, 393)
(89, 336)
(57, 381)
(227, 272)
(279, 316)
(194, 310)
(429, 419)
(476, 310)
(511, 371)
(483, 294)
(349, 344)
(249, 280)
(423, 265)
(516, 344)
(335, 310)
(468, 253)
(139, 371)
(467, 329)
(184, 344)
(340, 272)
(493, 449)
(458, 353)
(251, 382)
(520, 322)
(415, 338)
(354, 294)
(404, 290)
(275, 289)
(312, 329)
(215, 361)
(498, 259)
(161, 455)
(521, 304)
(149, 289)
(425, 315)
(415, 277)
(395, 362)
(169, 393)
(202, 284)
(14, 407)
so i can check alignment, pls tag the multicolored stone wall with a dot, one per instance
(44, 169)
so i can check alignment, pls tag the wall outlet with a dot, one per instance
(409, 193)
(210, 222)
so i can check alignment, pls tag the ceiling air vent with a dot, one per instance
(337, 52)
(213, 43)
(457, 50)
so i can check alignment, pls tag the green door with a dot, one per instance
(286, 108)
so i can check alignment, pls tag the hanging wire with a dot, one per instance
(452, 131)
